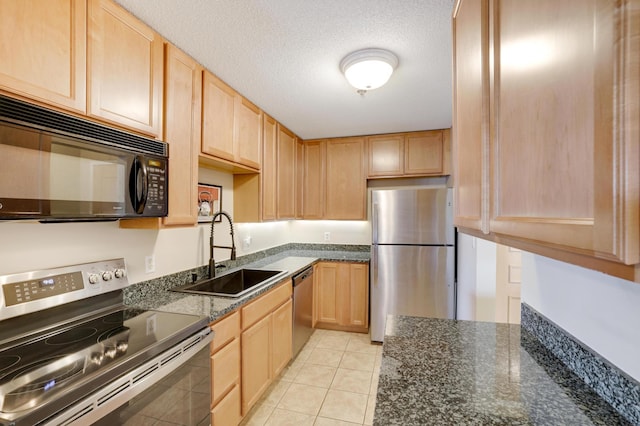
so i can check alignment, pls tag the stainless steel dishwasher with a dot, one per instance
(302, 308)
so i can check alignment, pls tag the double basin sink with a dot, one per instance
(233, 284)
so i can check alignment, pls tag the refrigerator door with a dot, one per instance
(412, 216)
(411, 280)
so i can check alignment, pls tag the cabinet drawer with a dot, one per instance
(265, 304)
(227, 411)
(225, 370)
(225, 330)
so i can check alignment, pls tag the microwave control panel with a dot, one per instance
(157, 188)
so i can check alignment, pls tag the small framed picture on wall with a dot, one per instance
(209, 202)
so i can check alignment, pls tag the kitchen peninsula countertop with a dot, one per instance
(155, 294)
(449, 372)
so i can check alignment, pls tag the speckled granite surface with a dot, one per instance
(448, 372)
(155, 294)
(613, 385)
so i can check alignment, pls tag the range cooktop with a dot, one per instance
(38, 369)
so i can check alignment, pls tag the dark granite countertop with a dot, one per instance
(155, 294)
(448, 372)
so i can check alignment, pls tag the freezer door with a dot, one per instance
(412, 216)
(411, 280)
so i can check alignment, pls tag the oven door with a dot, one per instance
(174, 387)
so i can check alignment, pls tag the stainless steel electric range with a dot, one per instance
(71, 353)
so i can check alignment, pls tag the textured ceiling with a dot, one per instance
(284, 56)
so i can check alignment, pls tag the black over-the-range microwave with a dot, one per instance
(56, 167)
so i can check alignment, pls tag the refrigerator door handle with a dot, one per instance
(374, 223)
(374, 261)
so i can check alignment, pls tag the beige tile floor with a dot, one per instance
(332, 381)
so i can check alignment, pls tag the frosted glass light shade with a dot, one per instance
(368, 69)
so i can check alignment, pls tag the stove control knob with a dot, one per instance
(107, 276)
(122, 346)
(94, 278)
(120, 273)
(96, 358)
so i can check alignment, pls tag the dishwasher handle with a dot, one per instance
(302, 276)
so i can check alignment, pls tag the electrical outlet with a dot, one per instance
(246, 242)
(150, 264)
(327, 236)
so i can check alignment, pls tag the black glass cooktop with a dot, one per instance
(33, 372)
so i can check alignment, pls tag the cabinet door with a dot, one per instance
(299, 183)
(248, 133)
(183, 91)
(268, 171)
(569, 177)
(386, 155)
(328, 277)
(218, 101)
(314, 179)
(286, 173)
(281, 337)
(357, 304)
(423, 153)
(46, 44)
(471, 114)
(125, 69)
(225, 370)
(256, 362)
(346, 179)
(227, 411)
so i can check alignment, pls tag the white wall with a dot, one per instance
(476, 279)
(29, 245)
(601, 311)
(466, 299)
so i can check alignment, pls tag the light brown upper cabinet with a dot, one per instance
(269, 167)
(217, 118)
(183, 91)
(231, 126)
(471, 114)
(43, 44)
(299, 184)
(286, 174)
(125, 69)
(563, 127)
(247, 132)
(274, 192)
(314, 179)
(346, 184)
(408, 154)
(335, 179)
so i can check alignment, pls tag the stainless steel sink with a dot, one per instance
(233, 284)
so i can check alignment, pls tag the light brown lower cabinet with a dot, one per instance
(250, 348)
(282, 333)
(256, 361)
(341, 296)
(227, 411)
(266, 342)
(225, 371)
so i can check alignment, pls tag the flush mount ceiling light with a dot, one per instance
(368, 69)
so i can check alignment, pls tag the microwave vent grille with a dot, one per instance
(46, 119)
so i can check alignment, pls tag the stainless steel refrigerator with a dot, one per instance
(412, 255)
